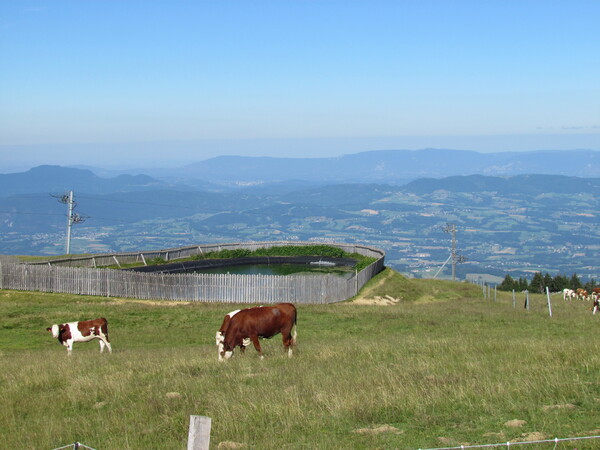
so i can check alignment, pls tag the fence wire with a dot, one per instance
(510, 444)
(75, 446)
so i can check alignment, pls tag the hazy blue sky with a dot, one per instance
(167, 82)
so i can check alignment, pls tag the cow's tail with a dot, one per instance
(295, 331)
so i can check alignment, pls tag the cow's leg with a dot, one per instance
(287, 342)
(256, 343)
(289, 337)
(108, 346)
(104, 342)
(69, 345)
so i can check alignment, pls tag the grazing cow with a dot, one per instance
(84, 331)
(260, 322)
(596, 305)
(582, 294)
(568, 294)
(221, 334)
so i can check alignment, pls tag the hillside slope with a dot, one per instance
(390, 287)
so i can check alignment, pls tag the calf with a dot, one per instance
(260, 322)
(84, 331)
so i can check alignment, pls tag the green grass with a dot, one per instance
(444, 367)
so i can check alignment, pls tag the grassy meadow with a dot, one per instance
(442, 367)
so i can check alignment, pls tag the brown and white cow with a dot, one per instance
(596, 305)
(83, 331)
(260, 322)
(221, 333)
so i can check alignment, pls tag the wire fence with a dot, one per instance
(75, 446)
(511, 444)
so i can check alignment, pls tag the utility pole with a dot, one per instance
(70, 205)
(451, 228)
(72, 217)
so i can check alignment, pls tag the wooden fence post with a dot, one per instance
(199, 433)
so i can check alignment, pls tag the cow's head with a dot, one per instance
(225, 351)
(54, 329)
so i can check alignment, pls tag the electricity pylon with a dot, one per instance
(72, 217)
(456, 258)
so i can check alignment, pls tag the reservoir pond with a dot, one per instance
(280, 269)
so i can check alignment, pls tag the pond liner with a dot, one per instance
(202, 264)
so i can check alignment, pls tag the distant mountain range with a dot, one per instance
(393, 167)
(515, 212)
(56, 179)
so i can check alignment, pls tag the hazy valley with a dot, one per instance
(514, 224)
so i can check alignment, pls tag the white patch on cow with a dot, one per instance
(290, 351)
(228, 354)
(220, 349)
(55, 331)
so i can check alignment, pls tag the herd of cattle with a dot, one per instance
(242, 327)
(582, 294)
(239, 329)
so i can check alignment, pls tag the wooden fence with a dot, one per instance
(228, 288)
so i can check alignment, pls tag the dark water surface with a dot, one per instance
(279, 269)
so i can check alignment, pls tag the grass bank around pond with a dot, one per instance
(440, 367)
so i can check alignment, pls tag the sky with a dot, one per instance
(168, 82)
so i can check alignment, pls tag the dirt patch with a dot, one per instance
(377, 300)
(495, 435)
(533, 436)
(565, 406)
(515, 423)
(231, 444)
(166, 303)
(378, 430)
(173, 395)
(448, 442)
